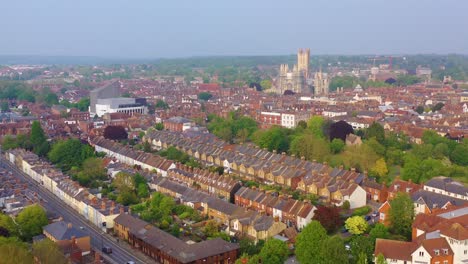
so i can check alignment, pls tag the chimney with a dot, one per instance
(69, 225)
(274, 151)
(73, 240)
(121, 210)
(302, 158)
(325, 163)
(103, 205)
(283, 153)
(341, 167)
(353, 169)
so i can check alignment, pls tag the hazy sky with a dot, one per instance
(172, 28)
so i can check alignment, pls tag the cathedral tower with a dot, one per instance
(303, 61)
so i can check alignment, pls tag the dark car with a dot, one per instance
(368, 217)
(107, 250)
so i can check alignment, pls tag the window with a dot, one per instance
(421, 253)
(437, 262)
(445, 251)
(445, 261)
(465, 251)
(436, 252)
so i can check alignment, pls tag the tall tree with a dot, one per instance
(315, 125)
(309, 243)
(333, 251)
(31, 220)
(38, 139)
(274, 251)
(401, 214)
(376, 130)
(46, 251)
(13, 251)
(361, 245)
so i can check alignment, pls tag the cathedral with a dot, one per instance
(298, 80)
(295, 80)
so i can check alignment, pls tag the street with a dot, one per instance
(121, 252)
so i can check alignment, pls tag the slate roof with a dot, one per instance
(62, 231)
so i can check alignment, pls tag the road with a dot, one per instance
(120, 253)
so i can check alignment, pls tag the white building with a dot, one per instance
(120, 105)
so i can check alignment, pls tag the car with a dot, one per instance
(107, 250)
(368, 217)
(82, 228)
(375, 214)
(130, 262)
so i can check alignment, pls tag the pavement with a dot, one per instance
(121, 250)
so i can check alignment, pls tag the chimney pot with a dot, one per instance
(69, 225)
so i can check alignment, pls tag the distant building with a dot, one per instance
(178, 124)
(121, 105)
(294, 80)
(108, 91)
(65, 235)
(321, 83)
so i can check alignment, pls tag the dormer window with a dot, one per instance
(408, 190)
(445, 251)
(436, 252)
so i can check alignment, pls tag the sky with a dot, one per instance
(176, 28)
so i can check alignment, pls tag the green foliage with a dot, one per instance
(160, 104)
(266, 84)
(380, 168)
(309, 243)
(159, 126)
(315, 125)
(437, 107)
(361, 211)
(333, 251)
(310, 147)
(38, 139)
(8, 223)
(343, 81)
(381, 259)
(273, 139)
(362, 249)
(361, 157)
(204, 96)
(356, 225)
(69, 153)
(401, 214)
(46, 251)
(419, 109)
(31, 220)
(92, 171)
(176, 155)
(336, 145)
(378, 231)
(13, 251)
(377, 131)
(248, 247)
(274, 251)
(235, 126)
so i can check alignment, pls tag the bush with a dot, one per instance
(362, 210)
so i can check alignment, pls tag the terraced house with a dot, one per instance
(237, 220)
(334, 185)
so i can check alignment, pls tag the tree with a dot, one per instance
(459, 155)
(381, 259)
(46, 251)
(38, 139)
(437, 107)
(376, 130)
(31, 220)
(124, 182)
(4, 106)
(356, 225)
(92, 170)
(419, 109)
(329, 217)
(380, 168)
(274, 138)
(333, 251)
(161, 104)
(362, 248)
(361, 157)
(310, 147)
(362, 258)
(378, 231)
(401, 214)
(265, 84)
(13, 251)
(340, 130)
(274, 251)
(69, 153)
(159, 126)
(337, 145)
(309, 243)
(204, 96)
(115, 133)
(315, 125)
(9, 225)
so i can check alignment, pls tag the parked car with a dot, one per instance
(368, 217)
